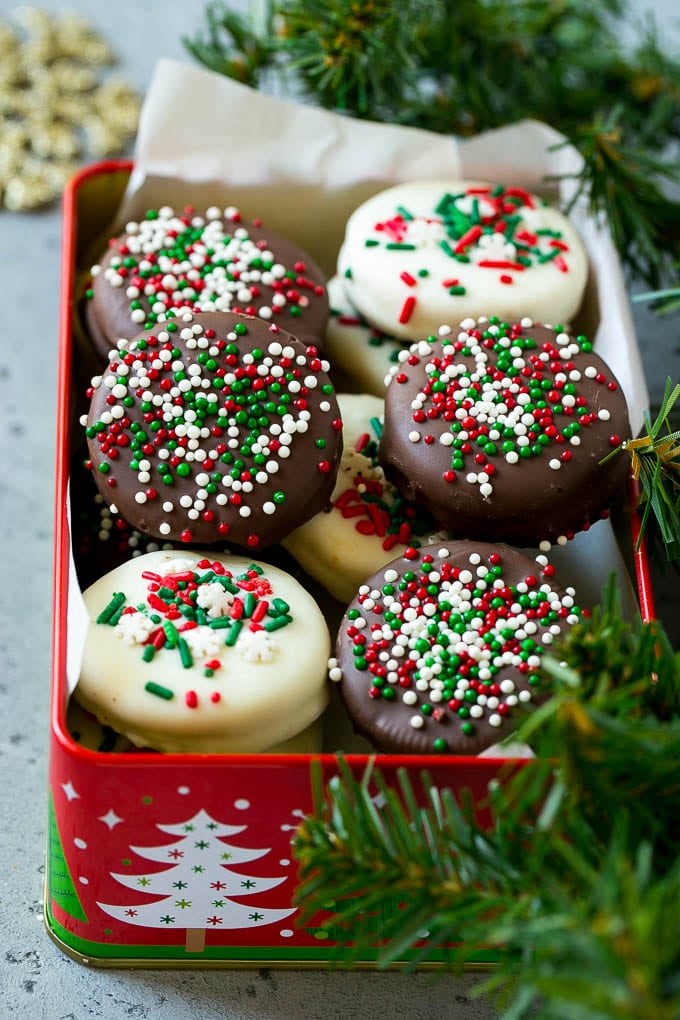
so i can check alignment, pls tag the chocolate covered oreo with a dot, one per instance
(214, 428)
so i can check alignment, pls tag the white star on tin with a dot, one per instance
(110, 818)
(70, 791)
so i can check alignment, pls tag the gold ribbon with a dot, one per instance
(667, 450)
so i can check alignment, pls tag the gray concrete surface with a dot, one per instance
(36, 980)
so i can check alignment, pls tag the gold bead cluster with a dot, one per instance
(54, 110)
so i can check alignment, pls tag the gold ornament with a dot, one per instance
(55, 112)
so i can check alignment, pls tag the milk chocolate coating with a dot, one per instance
(184, 468)
(108, 312)
(101, 541)
(460, 627)
(487, 391)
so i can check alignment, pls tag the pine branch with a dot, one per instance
(444, 67)
(665, 301)
(622, 185)
(231, 45)
(576, 879)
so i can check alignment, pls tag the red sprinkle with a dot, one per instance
(469, 237)
(407, 310)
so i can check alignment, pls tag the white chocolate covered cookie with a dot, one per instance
(369, 522)
(363, 354)
(207, 654)
(423, 253)
(87, 731)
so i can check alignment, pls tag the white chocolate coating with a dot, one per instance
(363, 354)
(342, 551)
(88, 732)
(408, 270)
(265, 688)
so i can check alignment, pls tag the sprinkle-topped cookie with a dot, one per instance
(370, 522)
(359, 354)
(210, 261)
(500, 430)
(189, 652)
(441, 649)
(214, 428)
(427, 252)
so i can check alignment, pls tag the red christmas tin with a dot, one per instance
(178, 859)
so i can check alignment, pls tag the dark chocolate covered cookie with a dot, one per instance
(214, 428)
(501, 430)
(441, 649)
(212, 261)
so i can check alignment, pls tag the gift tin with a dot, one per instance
(185, 860)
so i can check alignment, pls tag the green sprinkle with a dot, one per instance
(220, 623)
(171, 634)
(277, 622)
(184, 652)
(159, 690)
(547, 256)
(227, 584)
(148, 653)
(112, 608)
(397, 246)
(234, 632)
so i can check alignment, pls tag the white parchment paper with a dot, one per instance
(204, 139)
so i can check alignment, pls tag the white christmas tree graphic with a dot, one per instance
(200, 890)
